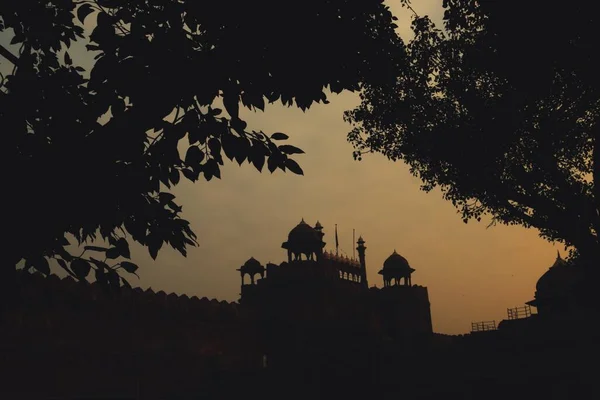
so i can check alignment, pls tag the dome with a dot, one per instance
(557, 281)
(252, 266)
(396, 262)
(303, 233)
(304, 239)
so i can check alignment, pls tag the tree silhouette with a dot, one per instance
(500, 110)
(95, 152)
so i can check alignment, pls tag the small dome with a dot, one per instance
(318, 225)
(396, 262)
(252, 263)
(252, 266)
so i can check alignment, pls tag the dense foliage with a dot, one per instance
(500, 109)
(96, 151)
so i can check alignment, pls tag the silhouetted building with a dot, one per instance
(554, 290)
(319, 297)
(560, 309)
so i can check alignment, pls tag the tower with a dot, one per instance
(319, 229)
(252, 267)
(363, 264)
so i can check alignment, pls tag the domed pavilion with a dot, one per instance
(396, 271)
(305, 240)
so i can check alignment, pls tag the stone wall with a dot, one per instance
(70, 336)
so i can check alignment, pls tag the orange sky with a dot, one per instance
(472, 273)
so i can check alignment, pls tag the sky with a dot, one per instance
(472, 272)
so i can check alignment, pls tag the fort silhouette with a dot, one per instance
(308, 327)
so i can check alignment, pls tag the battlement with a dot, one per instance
(66, 292)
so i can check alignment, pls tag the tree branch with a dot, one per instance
(8, 55)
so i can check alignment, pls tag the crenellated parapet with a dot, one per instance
(53, 296)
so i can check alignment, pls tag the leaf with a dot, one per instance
(40, 264)
(123, 247)
(229, 143)
(164, 175)
(279, 136)
(83, 11)
(113, 252)
(289, 149)
(99, 264)
(64, 254)
(175, 207)
(293, 166)
(215, 147)
(129, 267)
(216, 111)
(125, 283)
(272, 164)
(68, 60)
(198, 133)
(62, 263)
(194, 156)
(17, 39)
(190, 174)
(257, 156)
(95, 248)
(81, 268)
(174, 176)
(165, 197)
(232, 105)
(211, 169)
(243, 148)
(238, 125)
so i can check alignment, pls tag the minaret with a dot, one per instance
(363, 264)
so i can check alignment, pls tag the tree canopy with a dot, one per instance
(500, 109)
(95, 152)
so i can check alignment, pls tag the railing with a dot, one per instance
(341, 259)
(483, 326)
(519, 312)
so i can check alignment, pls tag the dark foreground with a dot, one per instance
(492, 365)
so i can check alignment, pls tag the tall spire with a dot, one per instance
(337, 243)
(363, 264)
